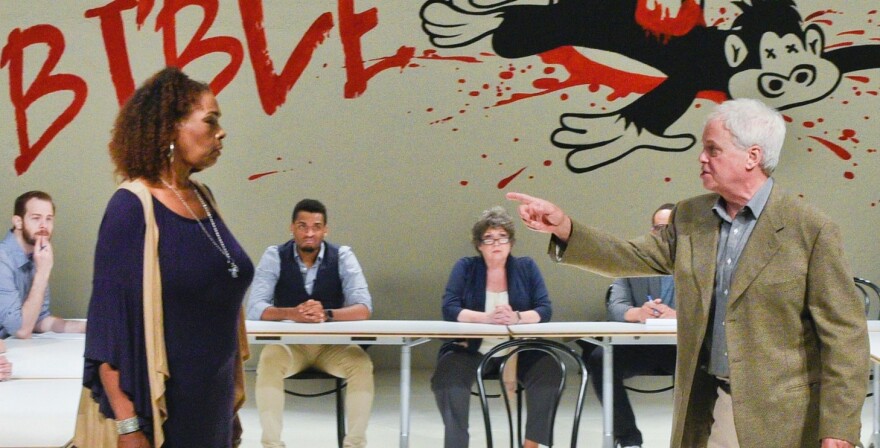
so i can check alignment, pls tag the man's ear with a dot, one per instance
(16, 222)
(756, 156)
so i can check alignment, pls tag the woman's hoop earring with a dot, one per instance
(171, 153)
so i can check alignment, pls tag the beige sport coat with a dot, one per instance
(796, 329)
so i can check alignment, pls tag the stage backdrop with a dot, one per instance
(407, 118)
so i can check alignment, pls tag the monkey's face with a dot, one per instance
(792, 71)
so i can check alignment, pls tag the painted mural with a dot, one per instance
(763, 49)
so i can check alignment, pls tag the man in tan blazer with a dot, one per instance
(772, 337)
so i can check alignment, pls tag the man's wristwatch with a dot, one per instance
(328, 315)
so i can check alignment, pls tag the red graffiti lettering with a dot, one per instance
(199, 45)
(351, 27)
(113, 33)
(271, 87)
(44, 84)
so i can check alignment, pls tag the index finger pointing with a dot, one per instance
(520, 197)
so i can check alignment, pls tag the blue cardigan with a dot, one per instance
(466, 289)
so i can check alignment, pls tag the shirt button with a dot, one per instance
(735, 231)
(728, 261)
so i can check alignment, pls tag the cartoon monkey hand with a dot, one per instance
(448, 25)
(598, 140)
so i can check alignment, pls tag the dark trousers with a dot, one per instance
(629, 361)
(456, 374)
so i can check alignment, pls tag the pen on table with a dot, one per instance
(653, 310)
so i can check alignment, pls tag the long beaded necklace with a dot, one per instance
(233, 268)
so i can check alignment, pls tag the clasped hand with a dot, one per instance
(502, 315)
(654, 309)
(310, 311)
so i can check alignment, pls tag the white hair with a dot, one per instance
(752, 123)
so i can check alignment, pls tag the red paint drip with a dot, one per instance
(259, 175)
(839, 45)
(836, 149)
(503, 183)
(432, 55)
(861, 79)
(658, 22)
(819, 13)
(856, 32)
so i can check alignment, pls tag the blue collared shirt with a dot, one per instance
(16, 277)
(732, 240)
(354, 285)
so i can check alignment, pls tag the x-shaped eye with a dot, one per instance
(770, 53)
(791, 48)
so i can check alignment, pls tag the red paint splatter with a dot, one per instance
(259, 175)
(809, 124)
(278, 158)
(563, 97)
(548, 162)
(583, 71)
(819, 13)
(849, 175)
(503, 183)
(506, 75)
(515, 139)
(787, 118)
(856, 32)
(667, 179)
(848, 134)
(484, 156)
(461, 81)
(658, 22)
(836, 149)
(839, 45)
(430, 109)
(463, 183)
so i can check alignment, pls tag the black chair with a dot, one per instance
(496, 376)
(557, 351)
(871, 294)
(339, 389)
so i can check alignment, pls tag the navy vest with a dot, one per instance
(290, 290)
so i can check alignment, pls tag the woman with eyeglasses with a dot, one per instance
(494, 287)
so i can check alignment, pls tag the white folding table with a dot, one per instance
(405, 333)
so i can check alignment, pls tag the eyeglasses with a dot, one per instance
(658, 227)
(492, 241)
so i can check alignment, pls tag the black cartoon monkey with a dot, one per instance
(767, 54)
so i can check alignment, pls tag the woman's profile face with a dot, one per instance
(499, 248)
(199, 134)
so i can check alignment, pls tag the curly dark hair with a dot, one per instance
(146, 124)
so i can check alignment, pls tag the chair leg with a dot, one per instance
(519, 405)
(340, 411)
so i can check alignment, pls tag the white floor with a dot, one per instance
(311, 421)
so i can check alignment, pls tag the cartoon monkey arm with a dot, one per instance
(853, 59)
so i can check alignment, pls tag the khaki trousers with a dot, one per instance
(345, 361)
(723, 432)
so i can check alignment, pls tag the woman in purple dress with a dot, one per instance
(165, 340)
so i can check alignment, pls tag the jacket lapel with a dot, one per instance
(762, 246)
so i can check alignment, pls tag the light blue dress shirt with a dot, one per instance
(16, 277)
(354, 285)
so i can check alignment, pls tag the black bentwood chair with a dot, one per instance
(557, 351)
(339, 390)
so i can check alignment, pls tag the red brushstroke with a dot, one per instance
(352, 26)
(583, 71)
(113, 34)
(856, 32)
(199, 46)
(272, 88)
(44, 83)
(503, 183)
(658, 22)
(835, 148)
(432, 55)
(819, 13)
(839, 45)
(259, 175)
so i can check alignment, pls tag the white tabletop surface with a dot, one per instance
(404, 328)
(590, 329)
(46, 356)
(38, 413)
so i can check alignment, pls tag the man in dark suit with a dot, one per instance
(635, 299)
(772, 337)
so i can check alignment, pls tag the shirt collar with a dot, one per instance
(13, 249)
(755, 205)
(317, 260)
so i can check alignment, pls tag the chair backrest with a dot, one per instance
(557, 351)
(871, 294)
